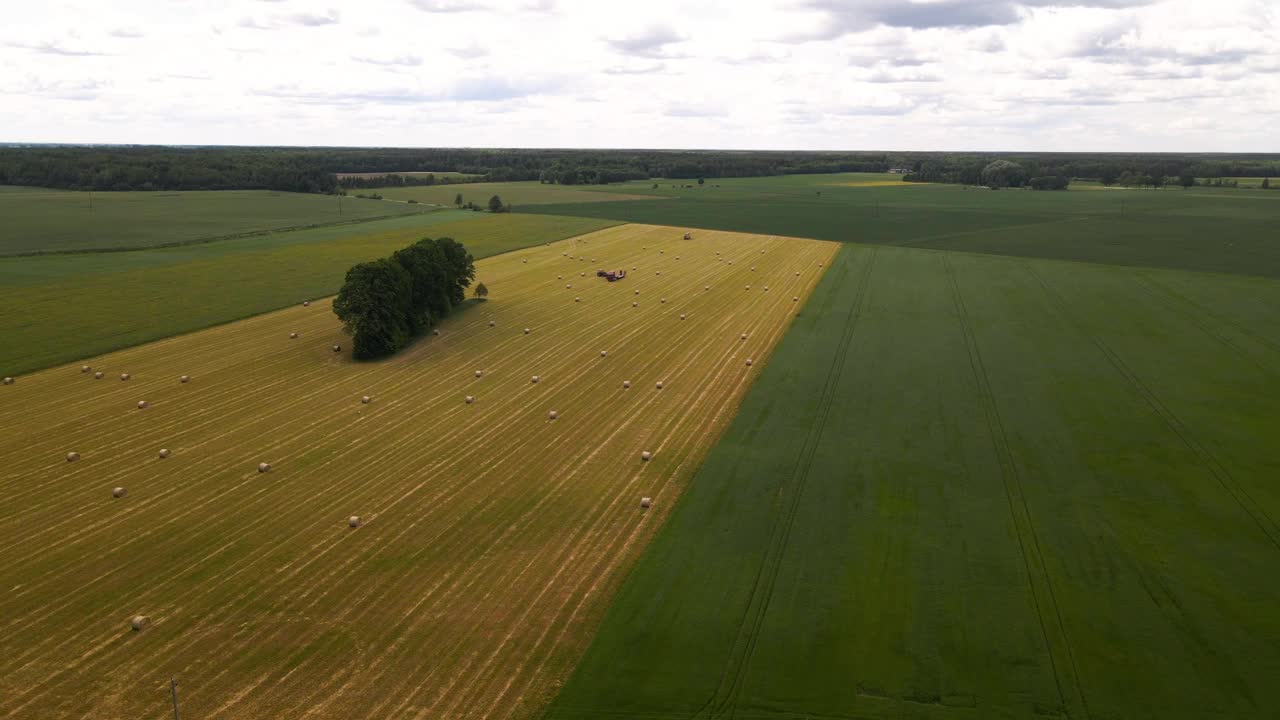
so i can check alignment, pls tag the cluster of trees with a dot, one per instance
(384, 304)
(314, 169)
(495, 204)
(1000, 173)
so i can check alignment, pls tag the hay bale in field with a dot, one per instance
(753, 269)
(293, 336)
(766, 288)
(85, 368)
(633, 267)
(637, 292)
(559, 277)
(706, 287)
(264, 467)
(604, 353)
(635, 304)
(658, 272)
(748, 362)
(479, 373)
(526, 331)
(797, 273)
(435, 333)
(534, 379)
(125, 376)
(582, 274)
(677, 257)
(526, 262)
(353, 521)
(577, 299)
(646, 456)
(139, 622)
(743, 337)
(748, 287)
(337, 348)
(366, 400)
(470, 399)
(164, 453)
(553, 415)
(659, 385)
(568, 287)
(626, 384)
(184, 379)
(819, 264)
(645, 503)
(306, 303)
(662, 300)
(142, 404)
(73, 456)
(795, 298)
(8, 381)
(492, 323)
(681, 316)
(98, 375)
(118, 492)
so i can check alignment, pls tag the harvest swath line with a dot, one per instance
(497, 535)
(1242, 498)
(1023, 524)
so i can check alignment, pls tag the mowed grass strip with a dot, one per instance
(45, 220)
(973, 486)
(492, 537)
(71, 307)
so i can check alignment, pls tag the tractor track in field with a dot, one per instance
(1023, 523)
(1208, 460)
(733, 674)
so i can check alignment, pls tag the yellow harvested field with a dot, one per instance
(415, 556)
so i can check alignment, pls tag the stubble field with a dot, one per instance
(491, 536)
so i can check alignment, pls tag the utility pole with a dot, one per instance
(173, 690)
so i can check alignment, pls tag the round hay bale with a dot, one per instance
(492, 323)
(479, 373)
(526, 331)
(567, 287)
(626, 384)
(184, 379)
(118, 493)
(659, 385)
(534, 379)
(744, 336)
(637, 292)
(593, 259)
(353, 521)
(73, 456)
(553, 415)
(306, 303)
(366, 400)
(85, 368)
(633, 267)
(164, 453)
(662, 300)
(526, 262)
(717, 252)
(677, 257)
(435, 333)
(635, 304)
(819, 264)
(8, 381)
(795, 298)
(98, 375)
(662, 252)
(582, 274)
(761, 252)
(681, 316)
(748, 287)
(125, 376)
(646, 456)
(337, 348)
(142, 404)
(264, 467)
(559, 277)
(293, 336)
(797, 273)
(658, 272)
(604, 353)
(748, 362)
(645, 503)
(470, 399)
(138, 623)
(766, 288)
(706, 287)
(730, 262)
(577, 299)
(753, 269)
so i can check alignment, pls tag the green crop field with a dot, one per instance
(73, 306)
(40, 220)
(514, 193)
(1220, 230)
(971, 486)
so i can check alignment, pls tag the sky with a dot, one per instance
(1014, 75)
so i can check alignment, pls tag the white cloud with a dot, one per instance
(814, 74)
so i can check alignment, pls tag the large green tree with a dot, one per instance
(374, 305)
(1003, 173)
(461, 268)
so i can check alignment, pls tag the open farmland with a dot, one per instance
(491, 537)
(79, 305)
(1217, 230)
(39, 220)
(975, 487)
(513, 193)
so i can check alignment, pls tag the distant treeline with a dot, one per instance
(1046, 171)
(386, 303)
(313, 169)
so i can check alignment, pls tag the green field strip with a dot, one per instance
(1066, 675)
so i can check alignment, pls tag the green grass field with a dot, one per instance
(975, 487)
(42, 220)
(74, 306)
(514, 193)
(1201, 229)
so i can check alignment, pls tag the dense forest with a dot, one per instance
(313, 169)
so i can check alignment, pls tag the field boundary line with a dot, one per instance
(738, 664)
(1196, 307)
(1256, 512)
(1013, 486)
